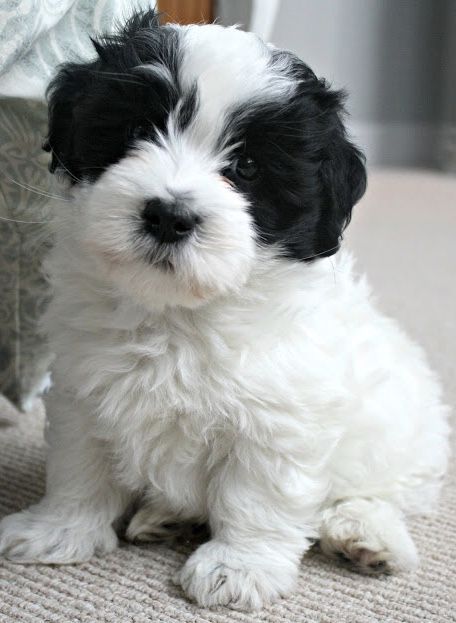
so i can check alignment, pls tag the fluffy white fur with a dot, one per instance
(265, 396)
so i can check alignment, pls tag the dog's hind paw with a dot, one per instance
(368, 534)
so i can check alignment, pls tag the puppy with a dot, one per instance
(212, 358)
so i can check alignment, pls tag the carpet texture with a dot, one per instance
(403, 235)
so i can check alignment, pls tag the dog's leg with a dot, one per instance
(368, 533)
(260, 510)
(74, 519)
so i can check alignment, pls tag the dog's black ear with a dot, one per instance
(65, 93)
(336, 172)
(343, 182)
(72, 94)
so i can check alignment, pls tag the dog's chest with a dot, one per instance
(168, 408)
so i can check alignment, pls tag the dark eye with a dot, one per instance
(246, 168)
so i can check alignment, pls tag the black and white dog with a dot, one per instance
(211, 358)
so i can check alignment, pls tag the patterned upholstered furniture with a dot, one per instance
(35, 38)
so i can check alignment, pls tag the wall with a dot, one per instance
(392, 57)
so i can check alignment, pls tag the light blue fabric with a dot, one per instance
(38, 35)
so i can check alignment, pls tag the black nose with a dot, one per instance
(167, 222)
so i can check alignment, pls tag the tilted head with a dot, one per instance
(193, 149)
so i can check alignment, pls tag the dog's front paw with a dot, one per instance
(33, 536)
(220, 575)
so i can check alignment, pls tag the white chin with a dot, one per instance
(156, 287)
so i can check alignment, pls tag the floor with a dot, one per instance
(403, 234)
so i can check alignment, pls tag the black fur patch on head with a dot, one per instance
(187, 108)
(97, 110)
(309, 174)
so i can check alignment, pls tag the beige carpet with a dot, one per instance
(404, 235)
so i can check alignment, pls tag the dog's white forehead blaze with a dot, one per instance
(230, 67)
